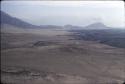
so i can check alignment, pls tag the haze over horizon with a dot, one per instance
(81, 13)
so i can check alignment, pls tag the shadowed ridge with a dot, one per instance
(7, 19)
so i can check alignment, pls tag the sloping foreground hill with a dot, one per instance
(61, 60)
(7, 19)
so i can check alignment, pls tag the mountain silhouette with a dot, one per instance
(7, 19)
(97, 25)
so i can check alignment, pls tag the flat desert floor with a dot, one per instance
(56, 57)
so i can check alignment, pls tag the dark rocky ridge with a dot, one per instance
(7, 19)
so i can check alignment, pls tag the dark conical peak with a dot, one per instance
(97, 25)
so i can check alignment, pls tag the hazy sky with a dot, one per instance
(81, 13)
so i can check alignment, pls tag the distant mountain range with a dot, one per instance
(7, 19)
(97, 25)
(95, 32)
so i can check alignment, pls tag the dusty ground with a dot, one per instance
(55, 57)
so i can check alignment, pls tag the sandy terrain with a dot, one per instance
(55, 57)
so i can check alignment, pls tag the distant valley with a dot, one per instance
(93, 32)
(51, 54)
